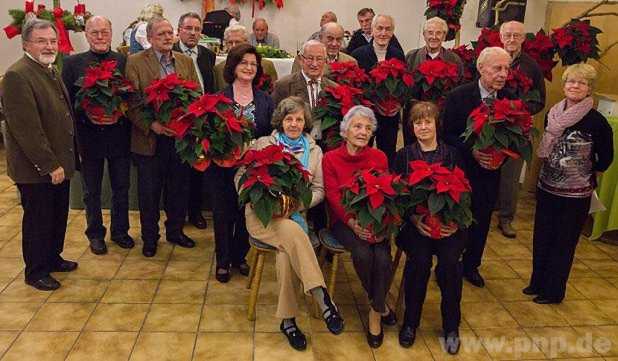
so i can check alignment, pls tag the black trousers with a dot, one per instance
(485, 185)
(372, 262)
(162, 174)
(46, 209)
(196, 183)
(231, 236)
(92, 176)
(386, 135)
(558, 223)
(419, 252)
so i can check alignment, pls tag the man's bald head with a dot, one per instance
(99, 34)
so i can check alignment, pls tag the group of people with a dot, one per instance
(48, 138)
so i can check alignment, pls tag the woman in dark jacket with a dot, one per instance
(576, 147)
(382, 47)
(242, 70)
(419, 247)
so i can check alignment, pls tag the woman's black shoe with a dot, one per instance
(390, 319)
(222, 274)
(243, 268)
(331, 316)
(544, 301)
(375, 341)
(296, 338)
(452, 342)
(530, 291)
(407, 335)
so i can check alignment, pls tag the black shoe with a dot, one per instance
(243, 268)
(475, 278)
(182, 241)
(223, 277)
(390, 319)
(64, 266)
(149, 249)
(331, 315)
(451, 342)
(98, 246)
(375, 341)
(530, 291)
(47, 283)
(407, 335)
(125, 242)
(198, 221)
(541, 300)
(296, 338)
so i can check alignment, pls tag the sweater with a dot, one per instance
(338, 168)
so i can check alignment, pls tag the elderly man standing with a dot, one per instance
(493, 66)
(159, 169)
(513, 35)
(99, 142)
(261, 35)
(331, 36)
(327, 17)
(189, 33)
(235, 35)
(40, 152)
(363, 36)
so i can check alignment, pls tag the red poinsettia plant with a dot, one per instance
(348, 73)
(274, 182)
(487, 38)
(519, 86)
(333, 104)
(167, 99)
(540, 48)
(374, 198)
(441, 196)
(435, 78)
(211, 132)
(450, 11)
(104, 93)
(468, 57)
(390, 85)
(265, 83)
(576, 42)
(501, 128)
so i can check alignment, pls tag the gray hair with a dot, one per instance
(236, 28)
(291, 104)
(325, 27)
(375, 20)
(436, 21)
(490, 52)
(309, 43)
(154, 21)
(512, 21)
(189, 15)
(258, 20)
(357, 111)
(30, 25)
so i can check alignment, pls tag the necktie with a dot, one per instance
(312, 96)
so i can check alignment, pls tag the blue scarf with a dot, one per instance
(295, 146)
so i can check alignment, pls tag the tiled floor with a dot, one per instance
(122, 306)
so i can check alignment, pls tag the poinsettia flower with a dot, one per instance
(377, 186)
(459, 173)
(171, 81)
(388, 105)
(202, 164)
(420, 170)
(345, 94)
(109, 65)
(450, 183)
(438, 69)
(480, 116)
(231, 121)
(258, 175)
(180, 126)
(518, 81)
(156, 94)
(487, 38)
(207, 103)
(205, 145)
(562, 37)
(191, 85)
(267, 155)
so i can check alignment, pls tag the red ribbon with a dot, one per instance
(64, 42)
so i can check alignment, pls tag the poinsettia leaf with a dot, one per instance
(435, 203)
(264, 210)
(377, 213)
(364, 217)
(328, 122)
(502, 138)
(358, 198)
(256, 193)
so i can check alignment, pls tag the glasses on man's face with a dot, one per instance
(96, 34)
(514, 36)
(312, 59)
(44, 42)
(438, 33)
(189, 29)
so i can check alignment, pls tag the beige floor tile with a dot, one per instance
(595, 288)
(392, 351)
(79, 290)
(187, 270)
(203, 251)
(8, 232)
(18, 291)
(523, 268)
(472, 348)
(601, 338)
(6, 339)
(118, 317)
(604, 268)
(130, 291)
(15, 316)
(580, 269)
(559, 342)
(509, 344)
(96, 269)
(114, 254)
(224, 347)
(588, 251)
(226, 318)
(496, 270)
(140, 269)
(41, 346)
(431, 318)
(61, 317)
(234, 292)
(346, 346)
(172, 291)
(529, 314)
(512, 250)
(163, 347)
(12, 218)
(172, 318)
(487, 315)
(103, 346)
(474, 294)
(269, 293)
(11, 248)
(11, 267)
(507, 289)
(164, 250)
(4, 282)
(275, 346)
(582, 313)
(608, 307)
(266, 321)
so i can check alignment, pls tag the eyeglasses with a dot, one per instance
(44, 42)
(437, 33)
(96, 34)
(197, 29)
(311, 59)
(248, 64)
(514, 36)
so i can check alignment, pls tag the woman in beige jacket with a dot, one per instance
(296, 259)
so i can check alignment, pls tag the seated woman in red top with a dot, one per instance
(372, 262)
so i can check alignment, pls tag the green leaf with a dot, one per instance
(435, 203)
(264, 210)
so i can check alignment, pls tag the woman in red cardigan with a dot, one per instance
(372, 261)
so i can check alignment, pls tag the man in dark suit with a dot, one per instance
(98, 143)
(40, 152)
(363, 36)
(189, 32)
(493, 65)
(159, 169)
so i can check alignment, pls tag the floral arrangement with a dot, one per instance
(104, 93)
(501, 128)
(267, 51)
(265, 83)
(487, 38)
(440, 195)
(274, 183)
(539, 47)
(468, 57)
(436, 78)
(211, 132)
(576, 42)
(450, 11)
(348, 73)
(374, 198)
(519, 86)
(390, 85)
(167, 99)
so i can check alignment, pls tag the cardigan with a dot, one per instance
(264, 109)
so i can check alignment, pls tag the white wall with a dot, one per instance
(294, 23)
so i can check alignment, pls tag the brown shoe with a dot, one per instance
(507, 229)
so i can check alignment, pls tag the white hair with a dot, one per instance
(357, 111)
(324, 27)
(375, 20)
(490, 52)
(236, 28)
(309, 43)
(512, 21)
(436, 21)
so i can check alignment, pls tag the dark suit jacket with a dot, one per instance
(295, 84)
(206, 64)
(96, 141)
(142, 69)
(264, 108)
(39, 122)
(367, 59)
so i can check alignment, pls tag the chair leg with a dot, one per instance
(255, 286)
(252, 262)
(333, 276)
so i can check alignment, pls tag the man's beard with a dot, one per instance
(47, 59)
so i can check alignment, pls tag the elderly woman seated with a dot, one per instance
(372, 261)
(296, 259)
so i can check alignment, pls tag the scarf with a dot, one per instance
(295, 146)
(558, 119)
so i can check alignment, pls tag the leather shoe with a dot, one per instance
(64, 266)
(47, 283)
(507, 230)
(182, 241)
(375, 341)
(475, 278)
(98, 247)
(149, 250)
(331, 315)
(390, 319)
(198, 221)
(544, 301)
(452, 342)
(295, 336)
(243, 268)
(530, 291)
(125, 242)
(407, 335)
(222, 274)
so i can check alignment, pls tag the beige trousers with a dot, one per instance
(296, 260)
